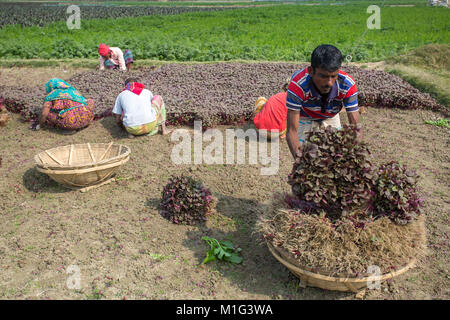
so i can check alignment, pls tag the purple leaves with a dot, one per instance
(221, 93)
(39, 15)
(396, 193)
(349, 186)
(186, 201)
(340, 186)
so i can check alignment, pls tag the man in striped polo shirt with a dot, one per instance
(317, 94)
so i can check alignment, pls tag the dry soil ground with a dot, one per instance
(124, 248)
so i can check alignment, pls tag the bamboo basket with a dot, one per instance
(342, 283)
(82, 166)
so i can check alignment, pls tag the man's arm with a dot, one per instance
(293, 117)
(350, 103)
(117, 111)
(118, 118)
(354, 119)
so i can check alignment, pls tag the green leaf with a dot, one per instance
(235, 259)
(222, 250)
(227, 244)
(209, 257)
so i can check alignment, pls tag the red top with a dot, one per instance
(274, 114)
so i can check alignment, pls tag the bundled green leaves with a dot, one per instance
(186, 201)
(222, 250)
(396, 195)
(334, 172)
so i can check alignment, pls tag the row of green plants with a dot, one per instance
(273, 33)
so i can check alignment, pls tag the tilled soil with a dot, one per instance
(124, 249)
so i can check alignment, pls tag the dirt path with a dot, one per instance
(35, 76)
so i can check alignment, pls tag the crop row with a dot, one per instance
(40, 15)
(221, 93)
(272, 33)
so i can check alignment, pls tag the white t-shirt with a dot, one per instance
(137, 109)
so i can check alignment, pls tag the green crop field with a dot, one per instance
(287, 32)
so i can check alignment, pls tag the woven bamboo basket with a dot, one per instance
(342, 283)
(79, 166)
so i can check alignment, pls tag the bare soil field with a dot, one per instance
(125, 249)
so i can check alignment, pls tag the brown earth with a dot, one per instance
(125, 249)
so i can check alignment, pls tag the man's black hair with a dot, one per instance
(131, 80)
(326, 57)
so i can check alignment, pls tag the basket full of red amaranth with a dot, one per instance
(347, 223)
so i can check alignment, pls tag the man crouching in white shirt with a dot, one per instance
(138, 111)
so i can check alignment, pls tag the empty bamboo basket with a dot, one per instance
(82, 165)
(341, 283)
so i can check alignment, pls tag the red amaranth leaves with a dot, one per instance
(219, 93)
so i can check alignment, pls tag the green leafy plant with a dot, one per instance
(222, 250)
(444, 123)
(186, 200)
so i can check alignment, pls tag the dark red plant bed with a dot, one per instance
(217, 94)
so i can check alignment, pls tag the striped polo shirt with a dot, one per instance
(303, 96)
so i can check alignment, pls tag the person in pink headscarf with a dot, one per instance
(114, 58)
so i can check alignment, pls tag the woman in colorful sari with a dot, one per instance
(114, 58)
(138, 111)
(65, 108)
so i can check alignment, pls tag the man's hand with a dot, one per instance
(359, 134)
(119, 120)
(354, 119)
(291, 134)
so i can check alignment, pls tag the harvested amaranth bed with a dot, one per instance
(218, 93)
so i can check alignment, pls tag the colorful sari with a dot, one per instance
(70, 115)
(69, 110)
(152, 127)
(58, 89)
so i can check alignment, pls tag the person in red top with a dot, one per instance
(271, 115)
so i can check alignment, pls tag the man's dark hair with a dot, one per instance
(326, 57)
(131, 80)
